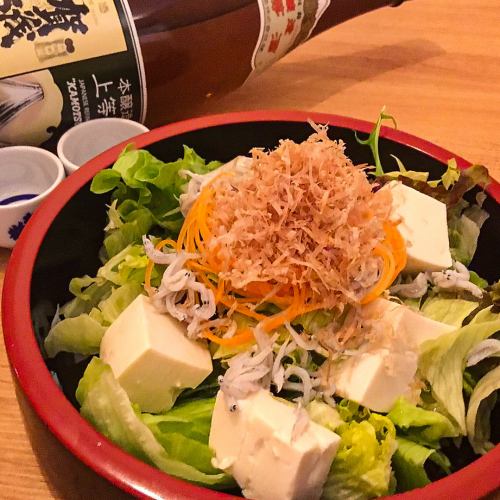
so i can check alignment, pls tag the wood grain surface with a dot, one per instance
(435, 64)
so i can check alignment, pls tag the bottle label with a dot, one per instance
(65, 62)
(284, 24)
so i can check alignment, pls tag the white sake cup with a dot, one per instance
(86, 140)
(27, 176)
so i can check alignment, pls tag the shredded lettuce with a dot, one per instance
(481, 403)
(186, 455)
(362, 466)
(419, 425)
(409, 461)
(145, 195)
(442, 363)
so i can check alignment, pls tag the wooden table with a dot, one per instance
(435, 64)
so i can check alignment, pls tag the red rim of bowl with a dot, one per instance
(64, 421)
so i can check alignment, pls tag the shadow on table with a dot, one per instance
(66, 476)
(283, 86)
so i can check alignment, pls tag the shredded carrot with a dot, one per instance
(231, 301)
(393, 254)
(242, 337)
(398, 245)
(220, 291)
(193, 238)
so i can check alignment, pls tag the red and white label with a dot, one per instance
(284, 25)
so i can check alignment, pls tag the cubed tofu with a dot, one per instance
(151, 357)
(423, 225)
(254, 443)
(377, 378)
(410, 326)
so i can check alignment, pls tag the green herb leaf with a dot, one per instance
(373, 139)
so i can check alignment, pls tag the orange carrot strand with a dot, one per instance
(244, 337)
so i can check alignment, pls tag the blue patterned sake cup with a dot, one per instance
(27, 176)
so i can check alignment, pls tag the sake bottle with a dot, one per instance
(154, 61)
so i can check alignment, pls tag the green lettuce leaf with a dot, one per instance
(481, 403)
(118, 301)
(106, 406)
(477, 280)
(442, 363)
(450, 189)
(475, 175)
(88, 292)
(448, 310)
(463, 234)
(422, 426)
(126, 268)
(362, 466)
(131, 229)
(403, 172)
(313, 321)
(486, 314)
(183, 432)
(324, 415)
(129, 265)
(408, 463)
(81, 334)
(451, 175)
(145, 194)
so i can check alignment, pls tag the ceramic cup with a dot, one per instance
(88, 139)
(27, 176)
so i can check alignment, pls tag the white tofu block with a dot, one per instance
(423, 226)
(376, 379)
(151, 357)
(228, 430)
(255, 445)
(410, 326)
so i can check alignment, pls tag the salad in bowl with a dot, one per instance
(288, 324)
